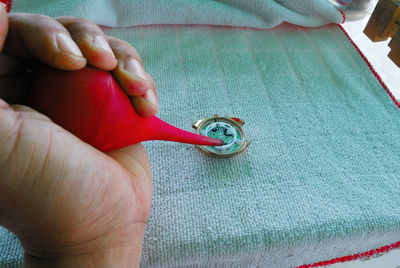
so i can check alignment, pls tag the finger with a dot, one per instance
(147, 104)
(3, 105)
(133, 78)
(42, 38)
(3, 25)
(91, 41)
(130, 72)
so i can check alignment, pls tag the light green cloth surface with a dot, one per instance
(321, 176)
(321, 173)
(254, 13)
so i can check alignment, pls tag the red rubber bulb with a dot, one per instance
(90, 104)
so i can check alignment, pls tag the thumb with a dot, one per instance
(3, 25)
(135, 160)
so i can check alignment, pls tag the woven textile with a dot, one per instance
(254, 13)
(11, 253)
(320, 178)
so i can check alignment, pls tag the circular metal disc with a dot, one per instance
(226, 129)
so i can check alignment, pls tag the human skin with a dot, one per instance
(69, 204)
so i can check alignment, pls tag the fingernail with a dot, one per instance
(150, 97)
(66, 44)
(135, 68)
(101, 43)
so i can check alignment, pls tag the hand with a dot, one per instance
(69, 204)
(70, 43)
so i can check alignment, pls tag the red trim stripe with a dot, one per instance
(344, 16)
(357, 256)
(383, 249)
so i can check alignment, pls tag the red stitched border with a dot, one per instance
(383, 249)
(371, 68)
(367, 254)
(344, 16)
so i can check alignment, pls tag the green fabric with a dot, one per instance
(254, 13)
(320, 178)
(322, 166)
(11, 253)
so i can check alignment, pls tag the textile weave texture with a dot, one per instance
(254, 13)
(320, 178)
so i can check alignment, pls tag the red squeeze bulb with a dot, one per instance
(90, 104)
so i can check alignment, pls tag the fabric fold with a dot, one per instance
(253, 13)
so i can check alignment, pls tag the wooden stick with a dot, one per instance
(382, 23)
